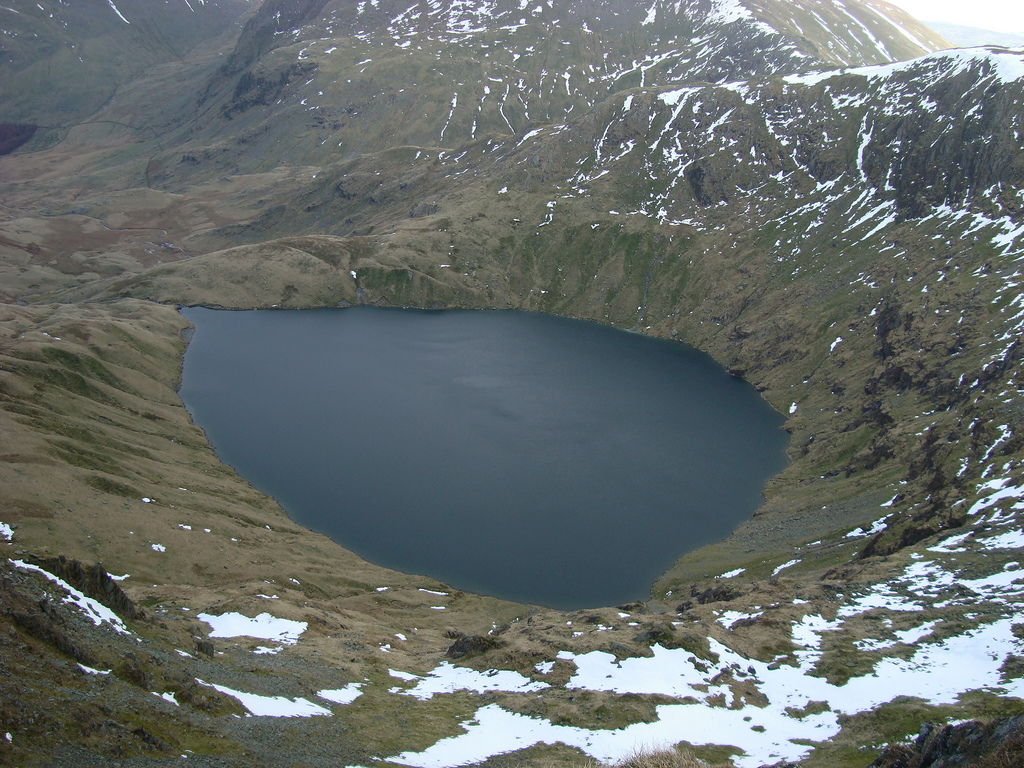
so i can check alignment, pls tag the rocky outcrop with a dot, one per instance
(261, 34)
(258, 89)
(471, 645)
(995, 744)
(93, 582)
(720, 593)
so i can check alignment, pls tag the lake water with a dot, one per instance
(530, 457)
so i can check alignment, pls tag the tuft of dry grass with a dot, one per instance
(1009, 754)
(657, 758)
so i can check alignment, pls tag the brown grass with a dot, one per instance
(1009, 754)
(658, 758)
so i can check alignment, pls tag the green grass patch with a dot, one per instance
(83, 458)
(709, 753)
(113, 487)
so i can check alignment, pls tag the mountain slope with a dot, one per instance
(352, 78)
(61, 61)
(849, 240)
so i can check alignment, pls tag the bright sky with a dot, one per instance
(998, 15)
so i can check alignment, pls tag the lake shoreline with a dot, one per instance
(540, 414)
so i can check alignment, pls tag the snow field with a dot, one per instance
(937, 673)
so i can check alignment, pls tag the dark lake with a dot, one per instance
(521, 455)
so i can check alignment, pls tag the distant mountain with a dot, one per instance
(61, 61)
(972, 37)
(367, 76)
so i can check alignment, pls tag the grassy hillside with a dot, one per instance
(847, 241)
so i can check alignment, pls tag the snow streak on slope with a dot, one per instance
(711, 145)
(727, 11)
(899, 27)
(119, 14)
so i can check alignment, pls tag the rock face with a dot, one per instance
(995, 744)
(471, 645)
(93, 582)
(718, 593)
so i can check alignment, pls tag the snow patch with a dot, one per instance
(272, 706)
(784, 566)
(345, 695)
(448, 679)
(264, 627)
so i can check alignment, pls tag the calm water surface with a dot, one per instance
(520, 455)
